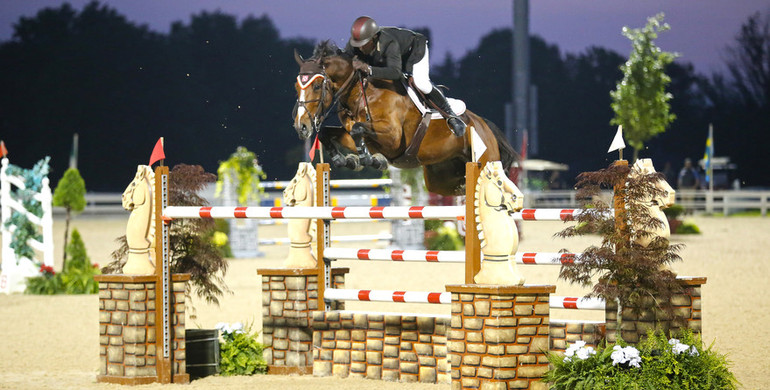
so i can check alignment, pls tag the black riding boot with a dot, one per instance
(453, 120)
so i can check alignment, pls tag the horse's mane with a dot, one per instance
(327, 48)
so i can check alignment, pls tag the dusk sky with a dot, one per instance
(700, 29)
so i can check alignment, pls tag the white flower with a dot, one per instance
(679, 348)
(694, 351)
(236, 327)
(221, 326)
(673, 341)
(585, 353)
(628, 355)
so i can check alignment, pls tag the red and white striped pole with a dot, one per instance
(341, 294)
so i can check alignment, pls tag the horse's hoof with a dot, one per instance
(379, 162)
(365, 159)
(351, 162)
(339, 161)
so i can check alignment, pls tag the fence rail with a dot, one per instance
(698, 201)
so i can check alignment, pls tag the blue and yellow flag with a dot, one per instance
(708, 156)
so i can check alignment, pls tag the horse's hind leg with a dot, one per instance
(446, 178)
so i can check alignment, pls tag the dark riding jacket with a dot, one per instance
(396, 51)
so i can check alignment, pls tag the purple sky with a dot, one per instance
(700, 29)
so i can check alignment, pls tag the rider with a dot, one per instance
(388, 52)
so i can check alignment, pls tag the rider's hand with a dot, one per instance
(362, 66)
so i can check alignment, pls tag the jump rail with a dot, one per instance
(438, 256)
(390, 212)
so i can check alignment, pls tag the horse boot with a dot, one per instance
(453, 120)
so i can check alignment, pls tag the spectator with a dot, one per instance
(688, 180)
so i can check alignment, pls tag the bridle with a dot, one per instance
(305, 80)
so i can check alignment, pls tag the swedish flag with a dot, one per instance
(708, 156)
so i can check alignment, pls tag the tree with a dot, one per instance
(640, 100)
(70, 193)
(628, 273)
(191, 246)
(749, 61)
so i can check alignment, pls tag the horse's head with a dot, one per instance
(301, 188)
(136, 193)
(666, 195)
(319, 79)
(506, 194)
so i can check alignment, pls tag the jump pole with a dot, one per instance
(323, 238)
(163, 328)
(472, 243)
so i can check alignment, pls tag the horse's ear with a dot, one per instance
(298, 57)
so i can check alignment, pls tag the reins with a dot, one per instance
(316, 120)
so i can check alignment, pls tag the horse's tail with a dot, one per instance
(507, 154)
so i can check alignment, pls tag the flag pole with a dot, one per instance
(711, 158)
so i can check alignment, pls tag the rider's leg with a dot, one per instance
(421, 76)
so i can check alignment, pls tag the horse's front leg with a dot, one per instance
(359, 132)
(340, 146)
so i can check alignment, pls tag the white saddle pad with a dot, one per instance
(458, 106)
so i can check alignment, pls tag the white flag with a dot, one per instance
(477, 145)
(618, 143)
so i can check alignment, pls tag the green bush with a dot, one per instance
(658, 363)
(687, 228)
(76, 278)
(441, 236)
(674, 211)
(240, 353)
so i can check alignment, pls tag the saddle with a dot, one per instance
(409, 158)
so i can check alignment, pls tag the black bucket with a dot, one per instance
(202, 352)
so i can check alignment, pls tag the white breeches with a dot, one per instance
(421, 73)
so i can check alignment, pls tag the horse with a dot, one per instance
(663, 197)
(380, 123)
(140, 230)
(301, 192)
(496, 199)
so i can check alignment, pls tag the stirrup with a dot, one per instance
(462, 125)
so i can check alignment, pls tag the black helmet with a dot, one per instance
(362, 31)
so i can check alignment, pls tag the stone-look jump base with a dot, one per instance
(289, 296)
(566, 332)
(636, 322)
(127, 329)
(381, 346)
(499, 336)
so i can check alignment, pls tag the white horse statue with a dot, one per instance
(654, 204)
(140, 230)
(301, 192)
(497, 198)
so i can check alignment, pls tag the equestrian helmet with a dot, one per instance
(362, 31)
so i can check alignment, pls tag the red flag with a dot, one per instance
(3, 150)
(157, 152)
(316, 146)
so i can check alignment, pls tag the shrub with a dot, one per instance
(442, 236)
(76, 278)
(240, 353)
(658, 363)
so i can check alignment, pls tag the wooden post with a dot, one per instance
(322, 229)
(472, 243)
(619, 202)
(163, 328)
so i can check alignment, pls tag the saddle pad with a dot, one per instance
(458, 106)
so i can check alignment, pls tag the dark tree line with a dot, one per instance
(214, 83)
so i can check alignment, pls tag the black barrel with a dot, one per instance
(202, 352)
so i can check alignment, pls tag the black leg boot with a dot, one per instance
(453, 120)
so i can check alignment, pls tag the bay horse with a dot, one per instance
(379, 125)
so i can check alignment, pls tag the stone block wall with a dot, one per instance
(499, 336)
(636, 321)
(289, 296)
(379, 346)
(129, 336)
(566, 332)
